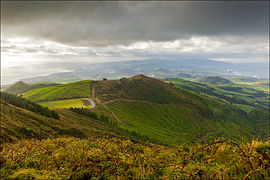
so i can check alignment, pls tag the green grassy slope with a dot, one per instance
(233, 93)
(20, 123)
(175, 123)
(168, 113)
(21, 87)
(143, 88)
(64, 91)
(18, 88)
(215, 80)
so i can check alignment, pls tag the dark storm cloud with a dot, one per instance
(114, 23)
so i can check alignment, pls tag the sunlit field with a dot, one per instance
(65, 103)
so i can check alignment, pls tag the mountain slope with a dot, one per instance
(171, 114)
(63, 91)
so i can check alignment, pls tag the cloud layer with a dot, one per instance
(118, 23)
(35, 35)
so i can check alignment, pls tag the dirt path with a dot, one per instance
(118, 119)
(93, 92)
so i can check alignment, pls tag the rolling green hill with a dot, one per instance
(64, 91)
(171, 114)
(21, 87)
(142, 88)
(167, 113)
(215, 80)
(238, 94)
(18, 88)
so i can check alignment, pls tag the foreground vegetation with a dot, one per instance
(115, 158)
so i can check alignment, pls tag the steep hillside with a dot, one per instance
(63, 91)
(21, 87)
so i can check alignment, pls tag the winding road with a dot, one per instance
(91, 100)
(93, 104)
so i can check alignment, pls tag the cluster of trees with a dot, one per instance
(29, 105)
(93, 115)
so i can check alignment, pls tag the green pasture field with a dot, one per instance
(65, 103)
(81, 89)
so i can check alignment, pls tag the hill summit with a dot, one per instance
(18, 88)
(141, 88)
(215, 80)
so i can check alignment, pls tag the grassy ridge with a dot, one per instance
(112, 158)
(141, 88)
(65, 91)
(233, 93)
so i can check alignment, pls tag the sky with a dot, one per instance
(38, 36)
